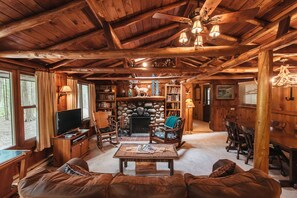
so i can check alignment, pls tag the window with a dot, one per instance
(83, 99)
(28, 105)
(6, 113)
(248, 93)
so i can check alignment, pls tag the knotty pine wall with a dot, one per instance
(61, 80)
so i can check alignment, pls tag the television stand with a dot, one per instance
(70, 145)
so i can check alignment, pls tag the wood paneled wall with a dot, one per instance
(221, 108)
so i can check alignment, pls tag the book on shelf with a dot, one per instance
(173, 90)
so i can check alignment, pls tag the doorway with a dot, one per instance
(206, 102)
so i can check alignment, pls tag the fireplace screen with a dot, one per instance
(139, 124)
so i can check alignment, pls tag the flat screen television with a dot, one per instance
(67, 120)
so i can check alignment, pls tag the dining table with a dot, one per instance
(288, 143)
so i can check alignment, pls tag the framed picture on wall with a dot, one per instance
(225, 92)
(197, 93)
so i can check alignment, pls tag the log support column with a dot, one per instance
(263, 117)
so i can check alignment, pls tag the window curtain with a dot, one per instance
(92, 98)
(46, 88)
(72, 98)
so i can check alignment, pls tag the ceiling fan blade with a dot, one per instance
(172, 18)
(208, 7)
(234, 17)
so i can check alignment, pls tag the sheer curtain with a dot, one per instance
(72, 98)
(46, 88)
(92, 98)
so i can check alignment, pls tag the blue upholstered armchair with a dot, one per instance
(171, 133)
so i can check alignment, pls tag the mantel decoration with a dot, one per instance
(224, 92)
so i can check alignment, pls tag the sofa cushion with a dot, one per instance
(144, 186)
(61, 185)
(238, 185)
(223, 171)
(75, 170)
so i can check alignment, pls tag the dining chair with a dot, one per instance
(236, 140)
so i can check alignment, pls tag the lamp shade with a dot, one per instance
(197, 27)
(65, 89)
(183, 39)
(215, 31)
(189, 103)
(198, 41)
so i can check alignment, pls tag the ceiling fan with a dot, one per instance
(199, 20)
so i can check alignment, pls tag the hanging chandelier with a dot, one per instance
(197, 30)
(284, 78)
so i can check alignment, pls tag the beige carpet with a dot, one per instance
(196, 156)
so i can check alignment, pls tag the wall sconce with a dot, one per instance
(64, 91)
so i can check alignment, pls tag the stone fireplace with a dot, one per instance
(138, 112)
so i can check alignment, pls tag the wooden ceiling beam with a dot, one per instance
(60, 63)
(194, 61)
(246, 38)
(118, 26)
(30, 22)
(128, 53)
(189, 64)
(282, 42)
(23, 64)
(112, 39)
(138, 78)
(127, 70)
(229, 77)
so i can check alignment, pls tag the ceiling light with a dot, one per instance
(197, 27)
(183, 39)
(198, 41)
(215, 31)
(144, 64)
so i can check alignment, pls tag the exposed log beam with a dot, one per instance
(271, 26)
(196, 62)
(228, 77)
(283, 26)
(126, 70)
(189, 64)
(137, 78)
(128, 53)
(282, 42)
(21, 63)
(160, 30)
(119, 25)
(41, 18)
(60, 63)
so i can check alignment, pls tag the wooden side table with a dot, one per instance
(8, 160)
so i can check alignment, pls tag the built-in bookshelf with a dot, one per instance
(106, 98)
(172, 100)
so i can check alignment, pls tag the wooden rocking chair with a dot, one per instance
(106, 128)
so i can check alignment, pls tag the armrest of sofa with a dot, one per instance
(75, 161)
(223, 162)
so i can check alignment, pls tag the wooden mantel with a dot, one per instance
(141, 98)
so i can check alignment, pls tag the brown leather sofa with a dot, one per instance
(57, 184)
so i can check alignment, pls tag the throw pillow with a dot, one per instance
(223, 171)
(72, 169)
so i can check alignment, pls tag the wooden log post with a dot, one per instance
(263, 117)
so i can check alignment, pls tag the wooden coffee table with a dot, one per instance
(164, 153)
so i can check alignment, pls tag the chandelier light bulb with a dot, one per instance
(198, 41)
(197, 27)
(144, 64)
(183, 39)
(215, 31)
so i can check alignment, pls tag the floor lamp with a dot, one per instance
(189, 114)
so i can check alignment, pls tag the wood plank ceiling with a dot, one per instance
(42, 27)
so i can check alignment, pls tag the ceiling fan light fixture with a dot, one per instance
(183, 39)
(215, 31)
(198, 41)
(197, 27)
